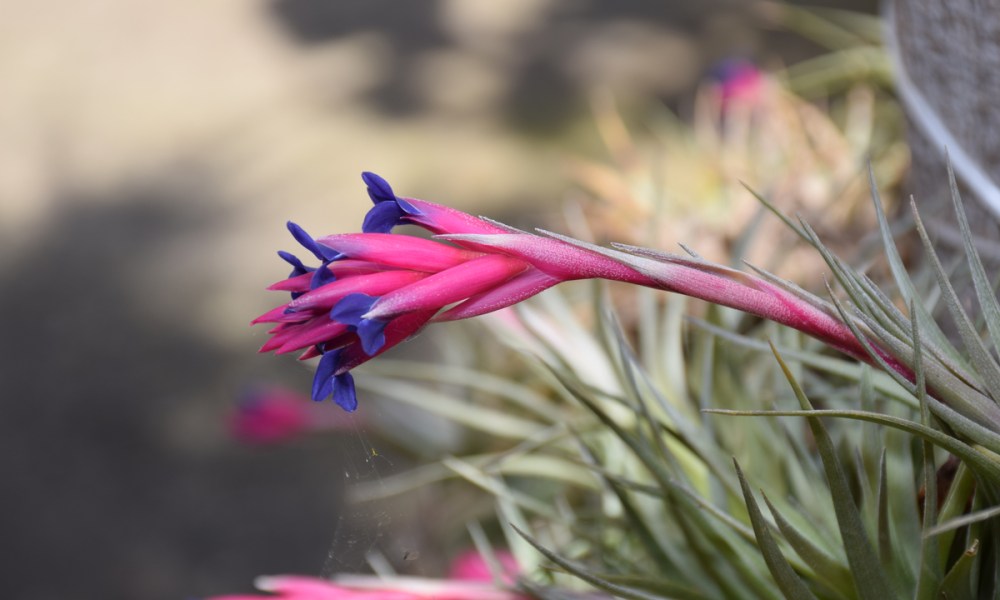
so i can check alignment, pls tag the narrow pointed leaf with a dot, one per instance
(986, 367)
(885, 547)
(826, 567)
(984, 290)
(957, 584)
(849, 369)
(587, 574)
(975, 517)
(777, 212)
(496, 486)
(899, 273)
(491, 421)
(788, 581)
(640, 526)
(975, 409)
(869, 579)
(929, 574)
(472, 379)
(979, 460)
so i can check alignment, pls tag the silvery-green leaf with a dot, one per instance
(788, 581)
(869, 580)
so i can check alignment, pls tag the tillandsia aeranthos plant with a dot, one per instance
(653, 462)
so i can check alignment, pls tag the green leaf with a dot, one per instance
(497, 487)
(471, 379)
(777, 212)
(973, 517)
(509, 516)
(853, 284)
(826, 567)
(848, 369)
(478, 417)
(959, 494)
(485, 549)
(869, 579)
(699, 440)
(706, 538)
(957, 584)
(929, 574)
(661, 553)
(586, 574)
(815, 25)
(659, 585)
(984, 464)
(975, 407)
(884, 525)
(786, 578)
(514, 463)
(902, 278)
(984, 290)
(986, 368)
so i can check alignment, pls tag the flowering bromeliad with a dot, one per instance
(375, 289)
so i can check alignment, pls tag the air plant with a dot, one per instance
(673, 517)
(653, 454)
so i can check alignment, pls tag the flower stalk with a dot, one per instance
(376, 289)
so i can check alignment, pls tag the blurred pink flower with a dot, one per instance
(471, 566)
(291, 587)
(739, 81)
(272, 414)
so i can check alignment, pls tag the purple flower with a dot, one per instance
(739, 81)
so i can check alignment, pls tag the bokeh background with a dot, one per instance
(151, 153)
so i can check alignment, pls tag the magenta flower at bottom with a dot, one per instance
(293, 587)
(376, 289)
(273, 414)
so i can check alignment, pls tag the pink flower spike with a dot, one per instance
(296, 283)
(347, 267)
(445, 287)
(323, 330)
(279, 338)
(278, 315)
(374, 284)
(397, 331)
(333, 375)
(339, 269)
(391, 210)
(444, 219)
(404, 252)
(310, 352)
(728, 287)
(520, 287)
(556, 258)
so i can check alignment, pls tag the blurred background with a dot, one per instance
(152, 152)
